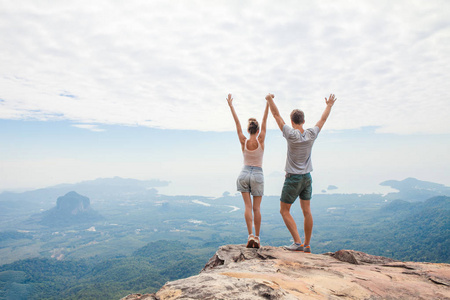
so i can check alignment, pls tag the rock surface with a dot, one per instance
(236, 272)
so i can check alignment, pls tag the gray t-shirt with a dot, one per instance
(298, 160)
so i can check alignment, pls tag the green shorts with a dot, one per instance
(296, 185)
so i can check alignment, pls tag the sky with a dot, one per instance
(137, 89)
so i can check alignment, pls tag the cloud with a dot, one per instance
(174, 62)
(89, 127)
(68, 95)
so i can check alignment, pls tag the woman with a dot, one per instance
(251, 178)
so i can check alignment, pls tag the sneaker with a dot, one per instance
(257, 242)
(307, 249)
(251, 241)
(294, 247)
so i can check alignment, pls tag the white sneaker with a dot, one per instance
(257, 243)
(251, 241)
(294, 247)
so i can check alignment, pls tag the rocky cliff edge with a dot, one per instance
(236, 272)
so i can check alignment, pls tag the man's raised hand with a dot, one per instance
(330, 101)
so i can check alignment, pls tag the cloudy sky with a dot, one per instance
(89, 71)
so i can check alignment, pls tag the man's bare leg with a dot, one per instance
(308, 222)
(289, 221)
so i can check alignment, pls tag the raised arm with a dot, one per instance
(262, 133)
(330, 102)
(274, 110)
(241, 136)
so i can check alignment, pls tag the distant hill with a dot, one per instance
(100, 188)
(411, 231)
(71, 209)
(113, 185)
(412, 189)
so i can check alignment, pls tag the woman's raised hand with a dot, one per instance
(270, 96)
(230, 100)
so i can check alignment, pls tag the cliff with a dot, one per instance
(70, 209)
(236, 272)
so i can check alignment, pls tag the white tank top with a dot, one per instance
(253, 158)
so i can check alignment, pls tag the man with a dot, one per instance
(298, 167)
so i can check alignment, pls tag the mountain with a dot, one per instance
(73, 203)
(112, 186)
(412, 189)
(71, 209)
(17, 207)
(236, 272)
(98, 188)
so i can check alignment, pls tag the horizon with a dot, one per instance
(328, 191)
(57, 153)
(138, 90)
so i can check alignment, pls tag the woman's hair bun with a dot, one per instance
(253, 126)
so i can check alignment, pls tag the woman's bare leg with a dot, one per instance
(257, 213)
(248, 212)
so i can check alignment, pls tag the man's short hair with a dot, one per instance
(297, 116)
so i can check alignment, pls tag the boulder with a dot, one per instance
(236, 272)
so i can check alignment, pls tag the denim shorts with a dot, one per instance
(296, 185)
(251, 180)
